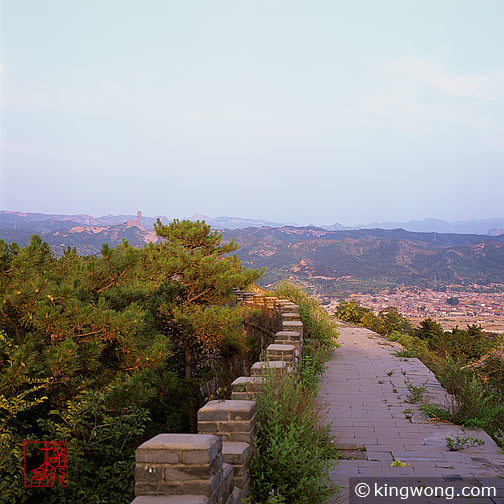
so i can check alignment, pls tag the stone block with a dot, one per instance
(225, 490)
(179, 448)
(292, 325)
(208, 487)
(275, 367)
(288, 308)
(245, 387)
(236, 454)
(289, 317)
(276, 352)
(224, 411)
(281, 337)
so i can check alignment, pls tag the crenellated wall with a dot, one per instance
(212, 467)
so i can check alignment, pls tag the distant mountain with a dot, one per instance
(87, 240)
(236, 222)
(482, 227)
(47, 222)
(53, 222)
(320, 257)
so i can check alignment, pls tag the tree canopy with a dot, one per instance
(104, 351)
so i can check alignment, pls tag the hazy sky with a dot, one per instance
(306, 111)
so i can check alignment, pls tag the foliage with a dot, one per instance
(293, 455)
(405, 354)
(428, 330)
(436, 412)
(398, 463)
(351, 311)
(107, 351)
(457, 443)
(387, 321)
(464, 344)
(320, 333)
(415, 393)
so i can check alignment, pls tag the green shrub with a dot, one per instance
(436, 412)
(293, 451)
(458, 443)
(476, 404)
(387, 320)
(415, 393)
(293, 454)
(320, 332)
(463, 344)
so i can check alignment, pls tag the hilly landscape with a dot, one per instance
(328, 261)
(335, 260)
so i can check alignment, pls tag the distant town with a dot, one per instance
(451, 307)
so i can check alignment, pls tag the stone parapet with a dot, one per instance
(231, 420)
(278, 352)
(294, 338)
(265, 367)
(245, 387)
(213, 467)
(180, 464)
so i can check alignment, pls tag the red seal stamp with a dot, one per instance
(45, 463)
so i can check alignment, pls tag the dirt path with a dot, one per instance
(364, 393)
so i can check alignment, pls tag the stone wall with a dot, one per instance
(212, 467)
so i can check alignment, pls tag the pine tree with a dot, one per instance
(192, 280)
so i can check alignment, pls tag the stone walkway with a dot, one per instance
(363, 394)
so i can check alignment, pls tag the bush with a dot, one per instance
(320, 332)
(462, 344)
(293, 454)
(386, 322)
(476, 404)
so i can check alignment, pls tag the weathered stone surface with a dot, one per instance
(357, 397)
(288, 308)
(245, 387)
(281, 352)
(292, 325)
(287, 336)
(248, 382)
(227, 410)
(226, 489)
(236, 453)
(258, 368)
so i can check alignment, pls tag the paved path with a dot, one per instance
(364, 393)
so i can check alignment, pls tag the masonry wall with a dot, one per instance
(213, 466)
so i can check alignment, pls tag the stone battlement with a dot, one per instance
(213, 466)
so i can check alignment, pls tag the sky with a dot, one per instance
(285, 110)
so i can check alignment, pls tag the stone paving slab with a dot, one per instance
(364, 394)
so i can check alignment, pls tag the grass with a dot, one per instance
(405, 353)
(458, 443)
(294, 451)
(436, 412)
(415, 393)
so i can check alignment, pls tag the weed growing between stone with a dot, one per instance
(294, 451)
(415, 393)
(469, 363)
(458, 443)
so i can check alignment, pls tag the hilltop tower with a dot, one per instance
(139, 217)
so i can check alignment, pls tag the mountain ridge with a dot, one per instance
(45, 222)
